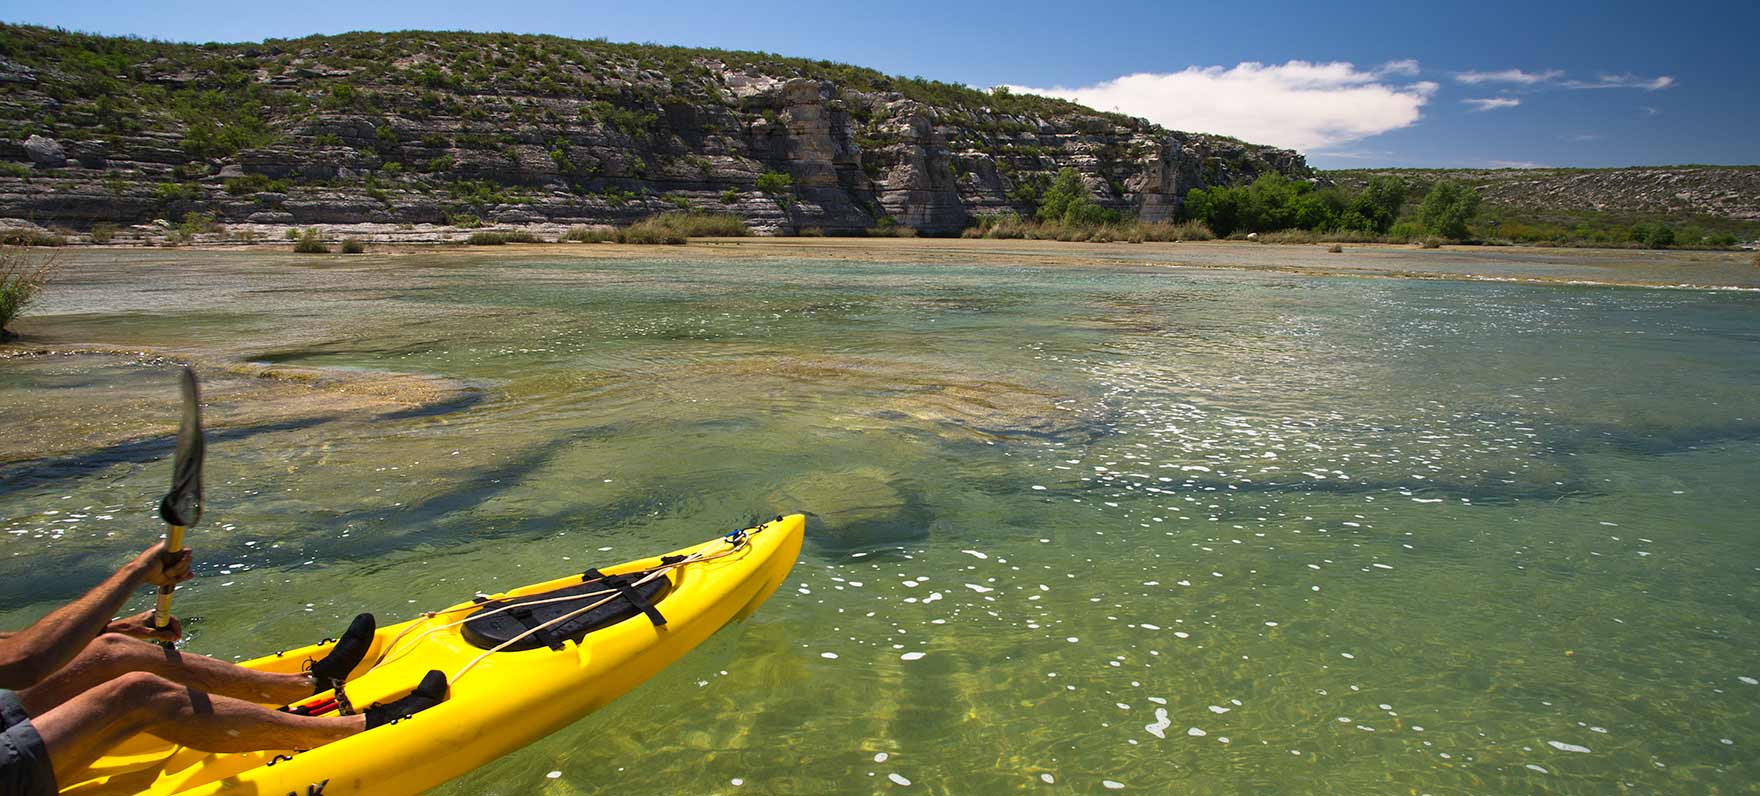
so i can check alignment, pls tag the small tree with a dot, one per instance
(1387, 195)
(23, 274)
(1067, 201)
(1449, 209)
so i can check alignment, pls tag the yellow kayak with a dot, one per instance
(521, 664)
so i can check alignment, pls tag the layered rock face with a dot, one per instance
(417, 128)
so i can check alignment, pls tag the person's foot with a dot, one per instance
(350, 649)
(431, 692)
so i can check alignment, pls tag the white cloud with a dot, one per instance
(1515, 164)
(1492, 103)
(1298, 104)
(1509, 76)
(1554, 78)
(1623, 81)
(1404, 68)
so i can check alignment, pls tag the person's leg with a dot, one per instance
(78, 731)
(111, 655)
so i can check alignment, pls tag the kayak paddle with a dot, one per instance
(182, 506)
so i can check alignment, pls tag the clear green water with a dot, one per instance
(1210, 533)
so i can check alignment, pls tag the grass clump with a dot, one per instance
(588, 235)
(497, 237)
(31, 237)
(1011, 226)
(1335, 249)
(23, 275)
(353, 246)
(694, 224)
(1165, 232)
(671, 228)
(311, 242)
(651, 231)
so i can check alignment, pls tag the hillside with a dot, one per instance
(434, 128)
(1718, 198)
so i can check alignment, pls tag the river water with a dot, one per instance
(1079, 529)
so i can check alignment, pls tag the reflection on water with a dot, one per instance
(1212, 532)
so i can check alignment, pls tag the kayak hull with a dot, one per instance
(503, 702)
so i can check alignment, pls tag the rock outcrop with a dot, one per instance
(435, 128)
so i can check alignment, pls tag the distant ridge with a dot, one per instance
(1682, 193)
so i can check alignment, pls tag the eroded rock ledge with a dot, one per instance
(430, 128)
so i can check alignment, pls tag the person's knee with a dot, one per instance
(147, 695)
(115, 648)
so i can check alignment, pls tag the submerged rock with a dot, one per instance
(854, 509)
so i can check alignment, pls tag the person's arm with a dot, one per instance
(34, 653)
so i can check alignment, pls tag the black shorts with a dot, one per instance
(24, 762)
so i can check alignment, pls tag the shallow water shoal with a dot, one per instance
(1302, 516)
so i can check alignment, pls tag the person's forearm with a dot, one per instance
(36, 652)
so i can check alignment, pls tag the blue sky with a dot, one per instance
(1363, 83)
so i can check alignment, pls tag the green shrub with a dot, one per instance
(311, 242)
(353, 245)
(15, 169)
(730, 196)
(774, 182)
(103, 233)
(291, 234)
(194, 224)
(1653, 235)
(254, 183)
(498, 237)
(168, 192)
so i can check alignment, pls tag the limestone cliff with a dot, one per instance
(414, 127)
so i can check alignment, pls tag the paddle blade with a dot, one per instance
(182, 506)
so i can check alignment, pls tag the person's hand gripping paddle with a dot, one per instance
(182, 506)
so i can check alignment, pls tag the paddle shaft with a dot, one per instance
(162, 611)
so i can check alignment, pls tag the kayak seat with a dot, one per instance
(488, 627)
